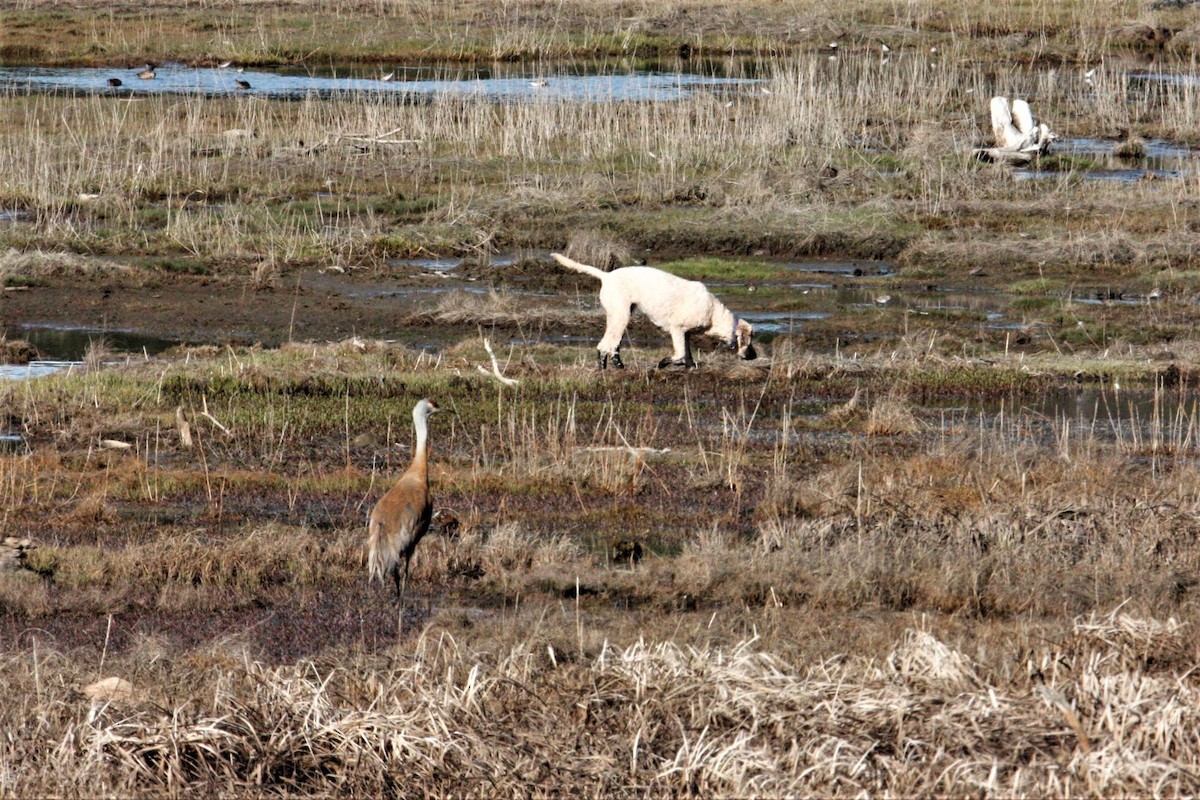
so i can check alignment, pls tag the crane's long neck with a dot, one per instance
(421, 454)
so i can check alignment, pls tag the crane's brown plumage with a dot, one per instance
(401, 517)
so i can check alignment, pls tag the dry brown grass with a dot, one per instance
(1108, 709)
(533, 174)
(261, 660)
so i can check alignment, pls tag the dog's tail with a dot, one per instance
(575, 265)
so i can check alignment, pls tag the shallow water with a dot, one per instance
(68, 343)
(1162, 159)
(777, 322)
(850, 268)
(453, 262)
(63, 347)
(406, 86)
(35, 369)
(1140, 417)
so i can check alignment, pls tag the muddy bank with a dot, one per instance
(303, 306)
(206, 310)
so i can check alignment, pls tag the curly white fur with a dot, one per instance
(678, 306)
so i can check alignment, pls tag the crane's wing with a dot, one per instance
(1023, 117)
(397, 523)
(1006, 135)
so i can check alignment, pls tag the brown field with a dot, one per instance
(940, 540)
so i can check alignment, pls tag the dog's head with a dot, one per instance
(742, 331)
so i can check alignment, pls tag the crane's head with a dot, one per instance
(424, 408)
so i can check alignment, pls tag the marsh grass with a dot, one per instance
(260, 657)
(629, 717)
(171, 183)
(838, 597)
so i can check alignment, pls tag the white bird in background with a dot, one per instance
(388, 77)
(1016, 130)
(225, 65)
(539, 83)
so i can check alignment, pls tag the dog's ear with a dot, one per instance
(742, 333)
(742, 342)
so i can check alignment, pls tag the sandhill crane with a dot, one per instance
(1016, 130)
(402, 516)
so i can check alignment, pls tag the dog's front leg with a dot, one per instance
(682, 357)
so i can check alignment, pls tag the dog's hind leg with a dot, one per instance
(610, 345)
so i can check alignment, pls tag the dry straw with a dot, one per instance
(648, 717)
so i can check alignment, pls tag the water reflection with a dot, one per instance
(62, 348)
(781, 321)
(37, 368)
(1141, 417)
(1161, 159)
(406, 86)
(66, 343)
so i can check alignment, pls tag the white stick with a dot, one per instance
(495, 366)
(204, 413)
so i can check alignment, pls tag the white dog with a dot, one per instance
(680, 307)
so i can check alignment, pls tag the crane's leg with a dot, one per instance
(404, 582)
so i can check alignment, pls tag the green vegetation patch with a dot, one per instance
(732, 270)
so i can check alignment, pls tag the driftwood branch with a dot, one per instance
(380, 138)
(204, 413)
(495, 373)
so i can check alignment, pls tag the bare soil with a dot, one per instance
(206, 310)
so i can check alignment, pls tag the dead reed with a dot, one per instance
(1083, 713)
(163, 178)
